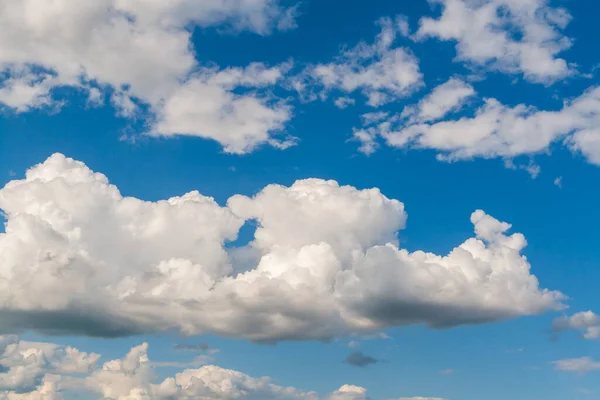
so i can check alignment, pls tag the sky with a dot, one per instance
(280, 199)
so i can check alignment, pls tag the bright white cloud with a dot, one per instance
(206, 106)
(24, 90)
(381, 71)
(581, 365)
(512, 36)
(133, 378)
(324, 262)
(585, 321)
(139, 50)
(445, 98)
(497, 130)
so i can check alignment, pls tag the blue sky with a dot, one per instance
(173, 103)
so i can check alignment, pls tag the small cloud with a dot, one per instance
(359, 359)
(446, 372)
(95, 97)
(558, 182)
(343, 102)
(11, 173)
(353, 344)
(403, 25)
(532, 169)
(202, 346)
(199, 347)
(581, 365)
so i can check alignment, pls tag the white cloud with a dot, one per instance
(139, 50)
(558, 181)
(445, 98)
(497, 130)
(205, 106)
(381, 71)
(324, 262)
(581, 365)
(31, 366)
(24, 90)
(586, 321)
(512, 36)
(344, 102)
(133, 378)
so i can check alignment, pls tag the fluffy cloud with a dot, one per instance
(497, 130)
(445, 98)
(140, 51)
(24, 90)
(381, 71)
(513, 36)
(133, 378)
(33, 368)
(586, 321)
(581, 365)
(324, 262)
(206, 106)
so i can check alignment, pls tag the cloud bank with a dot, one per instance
(324, 262)
(45, 371)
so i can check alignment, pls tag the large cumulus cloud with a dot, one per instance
(324, 262)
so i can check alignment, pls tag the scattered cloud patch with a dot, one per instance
(344, 102)
(498, 131)
(140, 53)
(35, 371)
(558, 182)
(586, 321)
(382, 71)
(445, 98)
(581, 365)
(515, 37)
